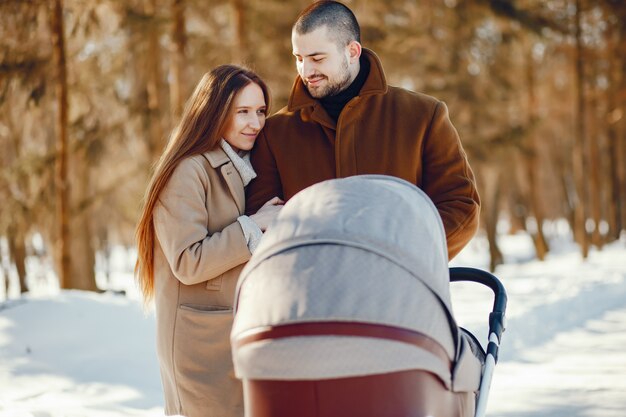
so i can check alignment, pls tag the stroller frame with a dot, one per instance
(496, 326)
(324, 232)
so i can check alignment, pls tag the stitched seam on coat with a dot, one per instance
(430, 126)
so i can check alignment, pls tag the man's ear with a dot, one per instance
(354, 51)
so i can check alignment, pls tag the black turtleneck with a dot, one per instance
(335, 104)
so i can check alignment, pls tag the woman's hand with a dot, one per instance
(267, 213)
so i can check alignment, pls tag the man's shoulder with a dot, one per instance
(282, 114)
(413, 97)
(282, 118)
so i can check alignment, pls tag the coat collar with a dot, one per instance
(217, 157)
(376, 83)
(241, 163)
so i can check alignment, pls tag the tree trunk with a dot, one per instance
(614, 114)
(241, 51)
(518, 212)
(17, 254)
(61, 179)
(7, 279)
(153, 77)
(177, 68)
(6, 271)
(580, 209)
(621, 151)
(104, 249)
(531, 161)
(566, 180)
(539, 239)
(491, 191)
(559, 150)
(82, 273)
(596, 194)
(83, 260)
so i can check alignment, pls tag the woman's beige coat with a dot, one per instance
(199, 253)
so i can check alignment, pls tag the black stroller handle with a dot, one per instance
(496, 318)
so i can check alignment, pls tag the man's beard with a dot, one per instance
(332, 88)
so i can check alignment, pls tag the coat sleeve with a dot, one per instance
(267, 184)
(449, 181)
(180, 222)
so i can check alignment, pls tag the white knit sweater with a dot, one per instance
(242, 164)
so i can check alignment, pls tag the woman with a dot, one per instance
(193, 239)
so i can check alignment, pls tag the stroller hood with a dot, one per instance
(382, 214)
(367, 249)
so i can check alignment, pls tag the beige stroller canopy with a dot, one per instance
(368, 251)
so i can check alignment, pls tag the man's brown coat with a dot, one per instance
(384, 130)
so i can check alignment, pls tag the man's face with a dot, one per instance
(322, 64)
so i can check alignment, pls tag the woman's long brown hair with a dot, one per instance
(199, 130)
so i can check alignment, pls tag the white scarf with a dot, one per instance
(242, 163)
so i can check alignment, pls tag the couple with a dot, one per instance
(342, 119)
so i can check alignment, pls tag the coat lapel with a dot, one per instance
(219, 160)
(235, 185)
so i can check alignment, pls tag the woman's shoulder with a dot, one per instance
(193, 164)
(189, 172)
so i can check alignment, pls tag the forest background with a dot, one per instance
(89, 91)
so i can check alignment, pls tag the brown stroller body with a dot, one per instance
(345, 309)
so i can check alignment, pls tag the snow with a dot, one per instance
(563, 353)
(73, 353)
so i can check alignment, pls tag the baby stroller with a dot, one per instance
(344, 310)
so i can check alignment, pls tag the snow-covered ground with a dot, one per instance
(77, 354)
(564, 351)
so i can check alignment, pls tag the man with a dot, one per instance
(343, 119)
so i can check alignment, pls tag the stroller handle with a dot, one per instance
(496, 326)
(497, 317)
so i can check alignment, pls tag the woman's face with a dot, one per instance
(246, 119)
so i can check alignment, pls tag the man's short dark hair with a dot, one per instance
(339, 19)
